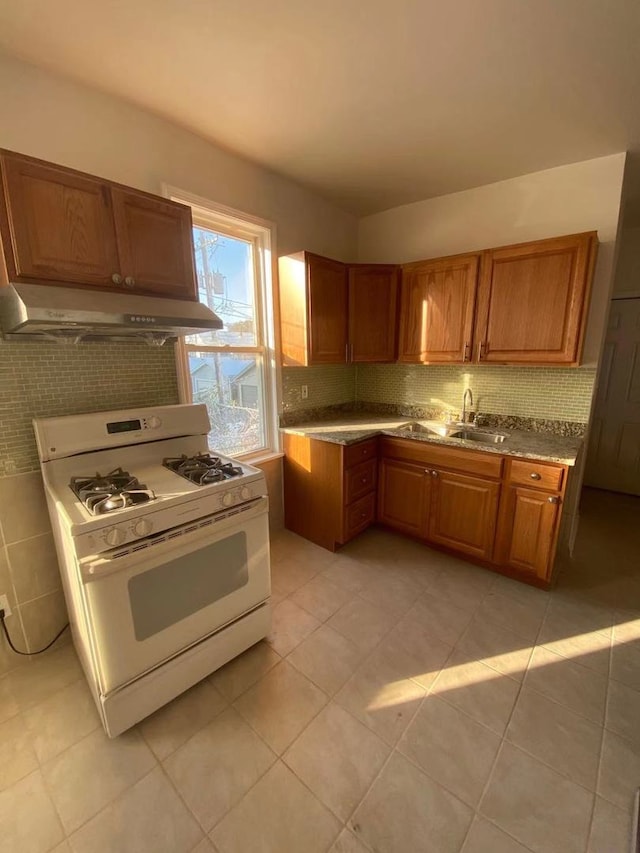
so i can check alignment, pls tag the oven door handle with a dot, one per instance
(189, 538)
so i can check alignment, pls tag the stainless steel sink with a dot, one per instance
(477, 435)
(454, 431)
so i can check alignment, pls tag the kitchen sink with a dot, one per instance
(477, 435)
(454, 431)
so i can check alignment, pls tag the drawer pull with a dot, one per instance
(535, 476)
(553, 499)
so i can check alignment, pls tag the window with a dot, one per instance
(232, 370)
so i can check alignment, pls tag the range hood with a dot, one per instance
(71, 315)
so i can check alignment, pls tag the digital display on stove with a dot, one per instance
(123, 426)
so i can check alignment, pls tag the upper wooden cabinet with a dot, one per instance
(154, 243)
(533, 300)
(56, 225)
(63, 227)
(437, 300)
(373, 299)
(332, 313)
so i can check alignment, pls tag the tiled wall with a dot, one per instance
(42, 379)
(328, 386)
(551, 393)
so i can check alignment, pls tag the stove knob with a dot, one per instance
(115, 536)
(245, 493)
(227, 499)
(142, 527)
(154, 422)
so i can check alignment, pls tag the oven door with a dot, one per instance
(148, 603)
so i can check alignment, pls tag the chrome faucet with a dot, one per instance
(468, 395)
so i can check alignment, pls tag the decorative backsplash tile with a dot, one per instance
(523, 392)
(327, 386)
(39, 379)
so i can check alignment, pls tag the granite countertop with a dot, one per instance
(545, 446)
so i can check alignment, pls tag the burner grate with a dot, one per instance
(202, 469)
(109, 492)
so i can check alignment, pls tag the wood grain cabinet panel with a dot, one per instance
(333, 313)
(329, 494)
(463, 513)
(57, 226)
(63, 227)
(155, 244)
(373, 296)
(437, 301)
(527, 533)
(533, 300)
(403, 496)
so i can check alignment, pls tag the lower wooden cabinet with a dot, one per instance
(463, 513)
(403, 496)
(329, 489)
(501, 512)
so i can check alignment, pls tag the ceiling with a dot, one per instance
(372, 103)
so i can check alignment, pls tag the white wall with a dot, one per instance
(53, 118)
(627, 279)
(565, 200)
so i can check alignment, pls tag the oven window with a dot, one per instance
(175, 590)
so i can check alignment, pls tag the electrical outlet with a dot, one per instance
(305, 392)
(4, 605)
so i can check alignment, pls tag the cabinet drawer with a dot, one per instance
(359, 452)
(359, 515)
(359, 480)
(536, 474)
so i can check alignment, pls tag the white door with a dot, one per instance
(613, 459)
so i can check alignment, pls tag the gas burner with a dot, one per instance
(106, 493)
(202, 469)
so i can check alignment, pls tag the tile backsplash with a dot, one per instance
(524, 392)
(530, 392)
(327, 386)
(39, 379)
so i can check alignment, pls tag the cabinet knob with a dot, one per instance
(434, 474)
(129, 281)
(364, 480)
(535, 476)
(553, 499)
(116, 278)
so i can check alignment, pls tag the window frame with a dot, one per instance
(262, 234)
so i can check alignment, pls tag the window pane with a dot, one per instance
(225, 273)
(231, 387)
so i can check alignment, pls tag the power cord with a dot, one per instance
(29, 654)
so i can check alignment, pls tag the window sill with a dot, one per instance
(259, 457)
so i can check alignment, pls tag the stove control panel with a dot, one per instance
(211, 500)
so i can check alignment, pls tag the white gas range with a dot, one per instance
(163, 550)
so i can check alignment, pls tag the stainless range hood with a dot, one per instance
(65, 314)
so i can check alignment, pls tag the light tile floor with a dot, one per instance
(405, 701)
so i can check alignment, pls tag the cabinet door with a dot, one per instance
(155, 244)
(403, 496)
(463, 514)
(373, 294)
(533, 299)
(437, 300)
(527, 533)
(59, 225)
(327, 310)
